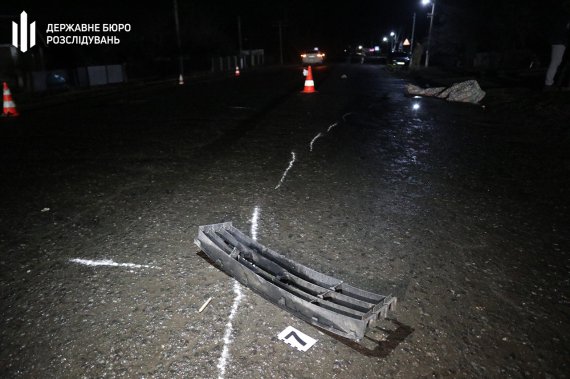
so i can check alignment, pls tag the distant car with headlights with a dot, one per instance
(314, 56)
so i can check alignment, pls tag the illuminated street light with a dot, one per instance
(394, 40)
(385, 39)
(426, 2)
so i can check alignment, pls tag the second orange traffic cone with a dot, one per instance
(309, 83)
(237, 70)
(9, 105)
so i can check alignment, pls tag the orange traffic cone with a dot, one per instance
(180, 80)
(237, 70)
(309, 83)
(9, 105)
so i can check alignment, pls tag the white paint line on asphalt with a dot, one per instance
(287, 169)
(107, 262)
(254, 223)
(222, 363)
(332, 126)
(345, 115)
(313, 141)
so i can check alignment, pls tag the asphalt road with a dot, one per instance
(458, 211)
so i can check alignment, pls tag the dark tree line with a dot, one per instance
(493, 33)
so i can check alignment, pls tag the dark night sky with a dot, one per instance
(209, 28)
(307, 22)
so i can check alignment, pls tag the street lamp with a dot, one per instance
(180, 58)
(413, 34)
(393, 43)
(426, 2)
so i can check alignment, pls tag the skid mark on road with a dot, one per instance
(107, 262)
(287, 169)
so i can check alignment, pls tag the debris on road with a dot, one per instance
(318, 299)
(464, 92)
(204, 305)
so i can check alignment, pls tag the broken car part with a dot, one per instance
(318, 299)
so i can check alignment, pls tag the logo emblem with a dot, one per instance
(26, 39)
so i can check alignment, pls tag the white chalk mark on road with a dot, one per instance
(345, 115)
(287, 170)
(241, 108)
(332, 126)
(222, 363)
(254, 223)
(107, 262)
(239, 295)
(313, 141)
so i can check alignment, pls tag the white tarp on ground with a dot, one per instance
(465, 92)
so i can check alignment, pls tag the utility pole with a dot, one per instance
(240, 43)
(180, 60)
(429, 33)
(240, 46)
(280, 43)
(280, 25)
(413, 34)
(394, 43)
